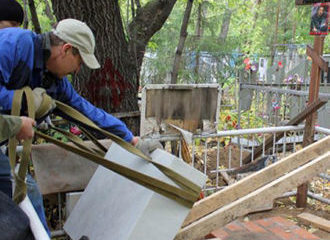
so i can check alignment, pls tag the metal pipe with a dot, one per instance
(239, 132)
(281, 91)
(251, 131)
(323, 130)
(309, 194)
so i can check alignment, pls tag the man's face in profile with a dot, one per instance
(320, 11)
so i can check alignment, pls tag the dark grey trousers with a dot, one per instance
(14, 224)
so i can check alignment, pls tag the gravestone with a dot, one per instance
(113, 207)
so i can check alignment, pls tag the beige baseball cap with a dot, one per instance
(80, 36)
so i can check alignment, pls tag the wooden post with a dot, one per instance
(314, 88)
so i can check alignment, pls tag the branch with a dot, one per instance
(148, 20)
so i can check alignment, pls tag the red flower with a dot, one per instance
(280, 64)
(75, 130)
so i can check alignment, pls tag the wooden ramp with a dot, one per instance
(256, 191)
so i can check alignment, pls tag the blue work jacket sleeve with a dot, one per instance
(16, 62)
(98, 116)
(6, 98)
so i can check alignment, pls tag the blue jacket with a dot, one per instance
(22, 63)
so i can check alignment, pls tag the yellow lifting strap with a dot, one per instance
(186, 194)
(20, 187)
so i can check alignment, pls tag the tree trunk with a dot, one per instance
(138, 4)
(34, 17)
(114, 86)
(294, 25)
(49, 12)
(148, 20)
(26, 13)
(133, 8)
(183, 36)
(225, 25)
(276, 32)
(198, 36)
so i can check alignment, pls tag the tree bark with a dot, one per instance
(225, 25)
(114, 86)
(183, 36)
(34, 17)
(49, 12)
(148, 20)
(138, 4)
(198, 37)
(276, 31)
(26, 13)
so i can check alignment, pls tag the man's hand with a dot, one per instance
(146, 146)
(42, 102)
(26, 131)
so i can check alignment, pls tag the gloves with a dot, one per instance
(147, 146)
(45, 124)
(42, 102)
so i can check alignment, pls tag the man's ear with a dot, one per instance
(66, 47)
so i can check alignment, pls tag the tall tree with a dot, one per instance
(225, 25)
(183, 36)
(34, 17)
(198, 37)
(273, 47)
(114, 87)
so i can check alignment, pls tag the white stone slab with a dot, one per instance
(113, 207)
(71, 200)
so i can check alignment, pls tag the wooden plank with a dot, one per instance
(319, 60)
(315, 221)
(251, 202)
(312, 108)
(257, 180)
(314, 88)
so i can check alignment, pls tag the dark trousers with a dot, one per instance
(14, 224)
(5, 178)
(32, 189)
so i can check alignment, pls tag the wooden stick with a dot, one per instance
(316, 221)
(314, 89)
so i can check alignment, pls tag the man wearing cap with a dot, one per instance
(11, 14)
(43, 61)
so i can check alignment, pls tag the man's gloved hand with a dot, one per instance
(147, 146)
(42, 102)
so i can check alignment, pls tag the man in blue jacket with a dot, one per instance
(43, 61)
(28, 59)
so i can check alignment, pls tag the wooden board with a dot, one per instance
(257, 180)
(252, 201)
(315, 221)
